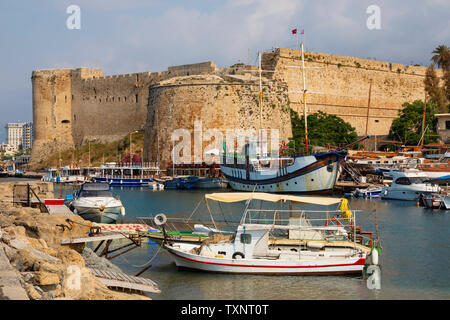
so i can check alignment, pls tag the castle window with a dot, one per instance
(65, 121)
(112, 99)
(118, 98)
(377, 121)
(125, 98)
(136, 98)
(72, 97)
(65, 98)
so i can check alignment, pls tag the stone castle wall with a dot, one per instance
(201, 103)
(339, 85)
(74, 106)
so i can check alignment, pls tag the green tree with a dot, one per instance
(408, 126)
(442, 57)
(435, 91)
(323, 129)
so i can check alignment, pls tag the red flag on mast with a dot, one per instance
(294, 31)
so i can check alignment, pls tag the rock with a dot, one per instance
(39, 290)
(17, 244)
(25, 261)
(33, 294)
(70, 257)
(27, 276)
(53, 268)
(53, 228)
(44, 278)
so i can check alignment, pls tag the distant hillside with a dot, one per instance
(108, 152)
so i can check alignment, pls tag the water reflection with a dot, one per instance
(414, 260)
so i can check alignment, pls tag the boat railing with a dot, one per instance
(328, 223)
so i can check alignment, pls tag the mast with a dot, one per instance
(368, 108)
(260, 102)
(304, 98)
(423, 120)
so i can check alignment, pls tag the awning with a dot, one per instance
(441, 180)
(243, 196)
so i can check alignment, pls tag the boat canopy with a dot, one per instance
(242, 196)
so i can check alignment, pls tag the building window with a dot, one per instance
(136, 98)
(447, 125)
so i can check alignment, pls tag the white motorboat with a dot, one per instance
(309, 246)
(95, 202)
(408, 185)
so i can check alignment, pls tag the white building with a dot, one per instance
(20, 135)
(443, 127)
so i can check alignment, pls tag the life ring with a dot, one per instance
(333, 218)
(238, 254)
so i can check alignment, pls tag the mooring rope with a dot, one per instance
(145, 264)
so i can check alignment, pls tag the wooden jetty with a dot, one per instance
(115, 279)
(121, 280)
(56, 206)
(97, 236)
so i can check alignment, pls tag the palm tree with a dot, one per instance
(442, 57)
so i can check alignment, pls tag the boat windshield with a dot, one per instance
(412, 180)
(95, 193)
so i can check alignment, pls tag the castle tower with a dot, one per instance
(52, 109)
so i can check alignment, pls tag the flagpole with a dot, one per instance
(304, 98)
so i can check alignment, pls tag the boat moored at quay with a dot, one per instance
(126, 174)
(316, 173)
(281, 242)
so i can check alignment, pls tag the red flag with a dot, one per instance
(294, 31)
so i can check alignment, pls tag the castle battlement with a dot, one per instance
(75, 105)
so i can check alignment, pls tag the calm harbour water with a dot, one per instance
(414, 260)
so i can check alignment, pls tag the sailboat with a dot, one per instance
(261, 172)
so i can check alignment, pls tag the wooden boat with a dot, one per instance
(324, 248)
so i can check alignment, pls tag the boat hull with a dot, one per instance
(124, 182)
(108, 215)
(325, 266)
(308, 174)
(211, 183)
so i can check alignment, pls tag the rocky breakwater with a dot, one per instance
(33, 264)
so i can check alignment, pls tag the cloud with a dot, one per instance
(140, 35)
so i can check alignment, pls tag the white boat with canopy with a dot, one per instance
(277, 241)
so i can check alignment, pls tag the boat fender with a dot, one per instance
(75, 211)
(122, 210)
(160, 219)
(315, 245)
(374, 256)
(238, 255)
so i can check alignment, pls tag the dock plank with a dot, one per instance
(122, 280)
(111, 236)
